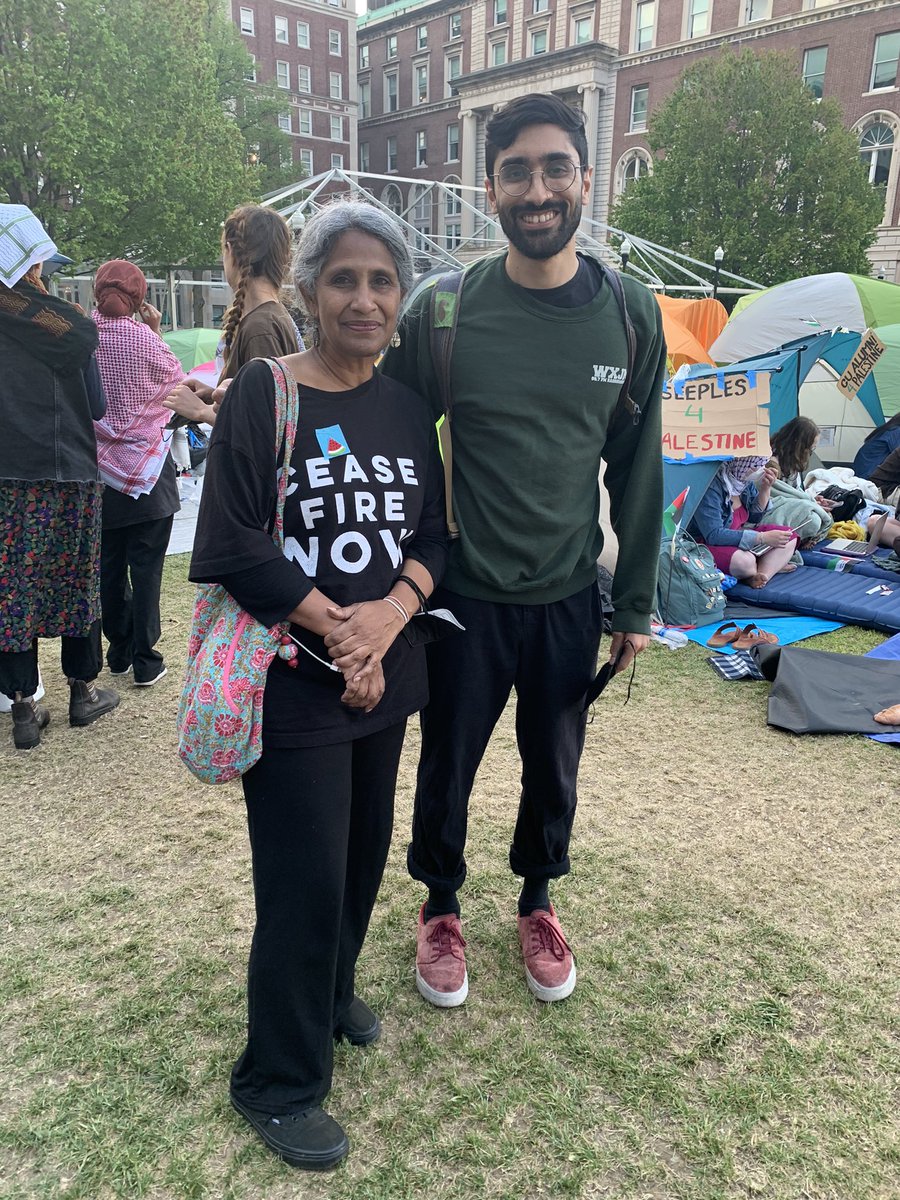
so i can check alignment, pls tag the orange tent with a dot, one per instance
(690, 327)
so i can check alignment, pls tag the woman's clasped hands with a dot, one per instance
(358, 644)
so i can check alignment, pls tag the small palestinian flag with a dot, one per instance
(672, 515)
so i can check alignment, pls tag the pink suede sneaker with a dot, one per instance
(549, 963)
(441, 961)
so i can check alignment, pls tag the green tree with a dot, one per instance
(746, 158)
(112, 127)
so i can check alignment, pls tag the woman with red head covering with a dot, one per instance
(141, 496)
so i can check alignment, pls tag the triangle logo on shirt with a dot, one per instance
(332, 442)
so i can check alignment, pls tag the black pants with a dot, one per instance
(320, 823)
(131, 567)
(548, 653)
(81, 657)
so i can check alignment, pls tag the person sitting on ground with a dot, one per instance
(256, 254)
(728, 520)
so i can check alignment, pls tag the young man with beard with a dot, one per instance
(539, 359)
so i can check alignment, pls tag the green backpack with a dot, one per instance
(689, 591)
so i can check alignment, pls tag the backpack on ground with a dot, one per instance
(689, 591)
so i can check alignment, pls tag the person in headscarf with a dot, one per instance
(50, 393)
(141, 497)
(730, 521)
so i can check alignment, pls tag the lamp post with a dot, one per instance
(625, 253)
(298, 220)
(718, 255)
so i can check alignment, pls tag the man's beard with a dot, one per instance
(540, 245)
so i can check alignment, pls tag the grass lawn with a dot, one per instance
(733, 905)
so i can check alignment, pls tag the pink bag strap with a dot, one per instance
(287, 416)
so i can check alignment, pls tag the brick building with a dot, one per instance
(306, 48)
(430, 72)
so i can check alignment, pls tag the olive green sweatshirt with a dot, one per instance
(534, 388)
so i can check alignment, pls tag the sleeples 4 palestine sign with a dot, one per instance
(858, 369)
(716, 416)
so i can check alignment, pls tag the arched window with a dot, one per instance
(631, 166)
(875, 149)
(393, 198)
(420, 214)
(452, 212)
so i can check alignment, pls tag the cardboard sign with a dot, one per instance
(859, 367)
(716, 416)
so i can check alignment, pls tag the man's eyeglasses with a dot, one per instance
(515, 178)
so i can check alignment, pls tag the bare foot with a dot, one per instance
(889, 716)
(787, 568)
(757, 581)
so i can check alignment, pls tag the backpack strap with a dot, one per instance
(627, 408)
(443, 316)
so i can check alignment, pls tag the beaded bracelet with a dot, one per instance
(401, 609)
(420, 595)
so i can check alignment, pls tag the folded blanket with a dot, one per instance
(823, 477)
(790, 506)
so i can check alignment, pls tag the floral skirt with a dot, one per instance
(49, 560)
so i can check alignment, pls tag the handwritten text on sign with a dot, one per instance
(857, 371)
(716, 415)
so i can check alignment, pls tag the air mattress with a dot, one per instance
(849, 597)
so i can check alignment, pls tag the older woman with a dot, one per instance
(729, 519)
(50, 391)
(365, 541)
(138, 371)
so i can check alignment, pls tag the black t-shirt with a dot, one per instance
(575, 292)
(365, 492)
(162, 500)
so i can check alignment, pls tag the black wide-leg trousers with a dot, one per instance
(320, 822)
(81, 658)
(131, 568)
(548, 653)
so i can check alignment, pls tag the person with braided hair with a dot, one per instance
(256, 253)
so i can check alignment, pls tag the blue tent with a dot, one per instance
(788, 367)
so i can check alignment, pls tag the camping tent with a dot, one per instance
(690, 328)
(788, 369)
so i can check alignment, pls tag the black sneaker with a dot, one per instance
(29, 718)
(359, 1025)
(87, 702)
(308, 1139)
(150, 682)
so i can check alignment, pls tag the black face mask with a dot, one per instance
(604, 675)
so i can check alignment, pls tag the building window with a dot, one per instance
(452, 72)
(303, 35)
(337, 161)
(638, 119)
(582, 30)
(306, 162)
(281, 30)
(283, 74)
(304, 121)
(499, 12)
(633, 165)
(391, 153)
(334, 41)
(390, 46)
(250, 73)
(335, 85)
(364, 156)
(304, 79)
(453, 143)
(756, 10)
(884, 61)
(392, 198)
(697, 18)
(541, 6)
(452, 200)
(365, 100)
(875, 149)
(248, 25)
(364, 58)
(421, 148)
(420, 84)
(454, 25)
(498, 53)
(337, 129)
(814, 69)
(284, 122)
(454, 234)
(644, 24)
(539, 41)
(390, 92)
(421, 37)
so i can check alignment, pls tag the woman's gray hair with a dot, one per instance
(321, 232)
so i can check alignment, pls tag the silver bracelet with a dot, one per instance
(392, 600)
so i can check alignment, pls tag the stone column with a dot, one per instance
(468, 132)
(590, 102)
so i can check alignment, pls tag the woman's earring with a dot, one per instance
(395, 339)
